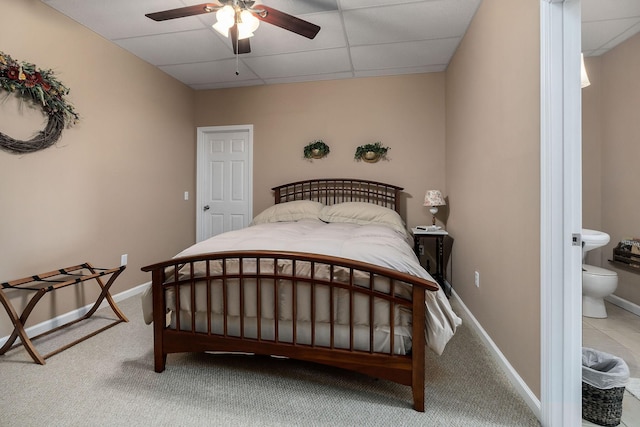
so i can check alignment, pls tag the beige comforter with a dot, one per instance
(375, 244)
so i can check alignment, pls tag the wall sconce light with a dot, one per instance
(584, 78)
(433, 199)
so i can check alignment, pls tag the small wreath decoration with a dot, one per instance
(371, 153)
(316, 149)
(41, 88)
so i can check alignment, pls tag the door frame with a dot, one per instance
(560, 213)
(201, 168)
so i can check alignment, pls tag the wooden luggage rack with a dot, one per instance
(43, 283)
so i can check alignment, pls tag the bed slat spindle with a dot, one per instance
(392, 312)
(294, 303)
(276, 307)
(313, 305)
(225, 299)
(258, 303)
(351, 296)
(332, 313)
(176, 292)
(371, 314)
(192, 288)
(208, 293)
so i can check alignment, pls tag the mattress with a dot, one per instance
(376, 244)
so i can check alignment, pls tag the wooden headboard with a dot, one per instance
(331, 191)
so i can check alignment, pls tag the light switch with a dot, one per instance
(186, 195)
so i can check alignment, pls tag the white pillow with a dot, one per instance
(363, 213)
(289, 211)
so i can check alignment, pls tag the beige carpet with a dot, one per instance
(109, 380)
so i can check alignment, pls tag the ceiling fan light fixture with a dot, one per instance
(237, 19)
(222, 29)
(226, 17)
(250, 20)
(243, 33)
(247, 24)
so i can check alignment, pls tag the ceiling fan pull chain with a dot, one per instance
(237, 57)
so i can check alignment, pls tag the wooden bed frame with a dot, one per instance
(404, 369)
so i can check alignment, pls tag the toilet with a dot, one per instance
(597, 282)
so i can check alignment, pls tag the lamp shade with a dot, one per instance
(434, 198)
(226, 17)
(584, 78)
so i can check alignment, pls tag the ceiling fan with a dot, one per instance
(239, 18)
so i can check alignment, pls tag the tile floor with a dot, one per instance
(618, 334)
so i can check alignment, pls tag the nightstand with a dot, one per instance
(437, 240)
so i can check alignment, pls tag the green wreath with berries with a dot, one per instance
(41, 88)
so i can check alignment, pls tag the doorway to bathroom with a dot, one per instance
(610, 200)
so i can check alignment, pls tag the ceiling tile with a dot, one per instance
(401, 55)
(418, 21)
(271, 40)
(300, 79)
(115, 19)
(183, 47)
(632, 31)
(210, 72)
(300, 64)
(602, 10)
(399, 71)
(360, 4)
(297, 7)
(597, 34)
(228, 84)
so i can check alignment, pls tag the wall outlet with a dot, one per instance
(477, 279)
(123, 259)
(186, 195)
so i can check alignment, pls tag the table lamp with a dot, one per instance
(433, 199)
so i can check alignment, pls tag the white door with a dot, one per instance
(224, 174)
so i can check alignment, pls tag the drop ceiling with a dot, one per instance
(359, 38)
(607, 23)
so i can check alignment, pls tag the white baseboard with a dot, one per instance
(624, 304)
(48, 325)
(521, 387)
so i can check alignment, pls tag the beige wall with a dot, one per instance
(114, 183)
(614, 113)
(119, 176)
(493, 174)
(592, 148)
(405, 113)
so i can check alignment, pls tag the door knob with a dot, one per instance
(206, 208)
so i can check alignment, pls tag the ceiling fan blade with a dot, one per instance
(288, 22)
(239, 46)
(181, 12)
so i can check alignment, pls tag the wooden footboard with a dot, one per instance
(310, 307)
